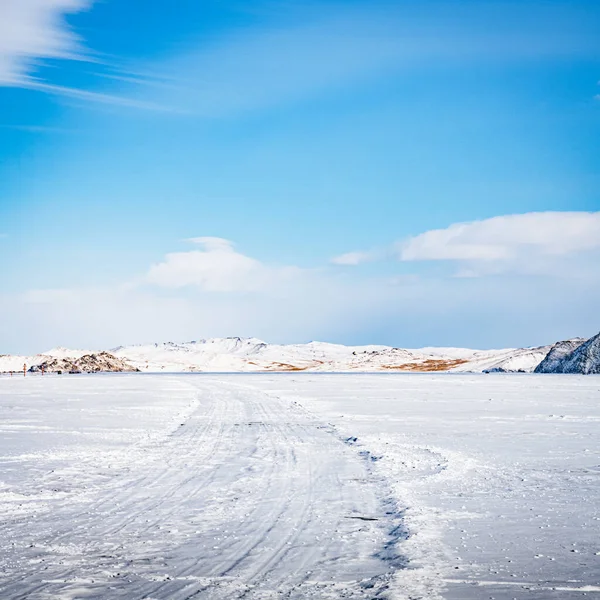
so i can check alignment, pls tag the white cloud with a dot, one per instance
(35, 29)
(526, 243)
(507, 237)
(216, 268)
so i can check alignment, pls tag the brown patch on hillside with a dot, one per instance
(284, 367)
(427, 366)
(287, 367)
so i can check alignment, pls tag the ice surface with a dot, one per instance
(300, 486)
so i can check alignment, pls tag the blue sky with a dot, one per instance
(334, 149)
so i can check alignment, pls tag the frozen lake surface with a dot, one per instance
(300, 486)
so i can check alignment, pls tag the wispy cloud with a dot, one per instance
(91, 96)
(38, 129)
(289, 60)
(31, 30)
(266, 66)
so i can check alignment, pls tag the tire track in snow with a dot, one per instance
(250, 498)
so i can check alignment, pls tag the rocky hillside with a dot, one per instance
(88, 363)
(584, 358)
(557, 354)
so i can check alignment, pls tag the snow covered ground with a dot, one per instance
(300, 485)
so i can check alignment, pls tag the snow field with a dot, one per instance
(499, 474)
(241, 495)
(300, 486)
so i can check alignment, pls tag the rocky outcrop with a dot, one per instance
(88, 363)
(557, 354)
(584, 359)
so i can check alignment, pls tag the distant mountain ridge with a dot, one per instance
(235, 354)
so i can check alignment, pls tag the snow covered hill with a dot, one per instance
(250, 354)
(236, 354)
(512, 360)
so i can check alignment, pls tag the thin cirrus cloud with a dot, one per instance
(289, 59)
(498, 244)
(89, 96)
(286, 62)
(31, 30)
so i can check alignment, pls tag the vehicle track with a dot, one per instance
(248, 498)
